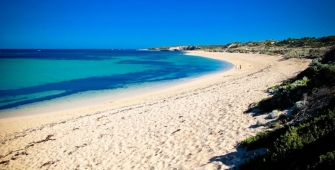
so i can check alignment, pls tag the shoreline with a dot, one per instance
(38, 111)
(92, 98)
(150, 130)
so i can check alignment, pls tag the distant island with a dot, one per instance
(308, 47)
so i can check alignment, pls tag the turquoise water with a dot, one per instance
(31, 76)
(20, 73)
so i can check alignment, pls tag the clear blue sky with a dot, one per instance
(150, 23)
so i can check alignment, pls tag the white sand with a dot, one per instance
(189, 126)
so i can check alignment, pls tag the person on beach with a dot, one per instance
(240, 67)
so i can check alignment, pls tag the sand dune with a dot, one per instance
(196, 125)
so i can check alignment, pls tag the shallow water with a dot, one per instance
(31, 76)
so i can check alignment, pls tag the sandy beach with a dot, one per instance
(194, 125)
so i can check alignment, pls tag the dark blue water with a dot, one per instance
(31, 76)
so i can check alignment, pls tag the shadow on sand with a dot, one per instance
(234, 159)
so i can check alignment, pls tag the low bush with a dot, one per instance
(265, 105)
(285, 95)
(297, 137)
(319, 75)
(329, 57)
(262, 139)
(307, 141)
(326, 161)
(309, 145)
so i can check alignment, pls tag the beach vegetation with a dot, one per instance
(274, 125)
(307, 145)
(237, 50)
(270, 43)
(262, 139)
(306, 47)
(234, 45)
(265, 105)
(284, 95)
(329, 56)
(305, 140)
(325, 161)
(307, 42)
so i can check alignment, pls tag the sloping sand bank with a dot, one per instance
(189, 126)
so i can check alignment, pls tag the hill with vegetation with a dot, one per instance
(310, 47)
(301, 121)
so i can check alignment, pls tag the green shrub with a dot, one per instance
(276, 124)
(272, 53)
(308, 145)
(326, 161)
(287, 87)
(262, 139)
(329, 56)
(285, 95)
(297, 137)
(265, 105)
(320, 74)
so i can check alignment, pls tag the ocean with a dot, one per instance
(34, 76)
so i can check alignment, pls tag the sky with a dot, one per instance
(108, 24)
